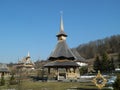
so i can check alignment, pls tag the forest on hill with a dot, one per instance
(98, 47)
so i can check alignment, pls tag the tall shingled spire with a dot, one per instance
(61, 23)
(61, 35)
(28, 54)
(28, 57)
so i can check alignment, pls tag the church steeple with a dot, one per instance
(61, 24)
(62, 51)
(28, 58)
(28, 55)
(61, 35)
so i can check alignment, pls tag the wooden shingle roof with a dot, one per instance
(77, 55)
(4, 68)
(62, 51)
(61, 33)
(63, 63)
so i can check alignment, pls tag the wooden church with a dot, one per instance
(25, 63)
(62, 61)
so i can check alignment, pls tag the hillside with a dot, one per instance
(109, 44)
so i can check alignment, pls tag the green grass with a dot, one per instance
(30, 85)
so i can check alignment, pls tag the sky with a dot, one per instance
(32, 25)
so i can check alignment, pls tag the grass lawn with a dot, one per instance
(30, 85)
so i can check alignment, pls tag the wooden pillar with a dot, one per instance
(66, 73)
(2, 73)
(58, 74)
(74, 69)
(48, 70)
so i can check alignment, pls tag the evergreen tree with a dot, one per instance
(97, 64)
(111, 65)
(105, 63)
(83, 70)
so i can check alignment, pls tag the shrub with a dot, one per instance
(116, 84)
(2, 82)
(12, 80)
